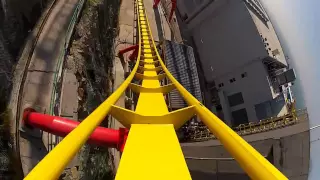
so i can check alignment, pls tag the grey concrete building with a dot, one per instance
(239, 55)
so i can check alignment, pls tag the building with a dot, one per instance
(239, 57)
(180, 61)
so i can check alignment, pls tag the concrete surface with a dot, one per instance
(69, 97)
(37, 89)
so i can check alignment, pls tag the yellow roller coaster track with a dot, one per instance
(152, 149)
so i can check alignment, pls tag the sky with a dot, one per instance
(297, 23)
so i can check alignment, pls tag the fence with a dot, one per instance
(55, 96)
(62, 56)
(203, 134)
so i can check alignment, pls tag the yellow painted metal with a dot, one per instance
(177, 118)
(145, 89)
(150, 69)
(157, 77)
(152, 152)
(152, 149)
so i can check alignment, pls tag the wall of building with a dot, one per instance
(198, 11)
(228, 40)
(267, 31)
(186, 8)
(254, 88)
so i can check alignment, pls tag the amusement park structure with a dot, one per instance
(149, 144)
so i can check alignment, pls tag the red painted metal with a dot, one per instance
(123, 138)
(173, 8)
(134, 47)
(61, 127)
(155, 3)
(134, 55)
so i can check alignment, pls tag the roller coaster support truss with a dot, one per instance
(62, 127)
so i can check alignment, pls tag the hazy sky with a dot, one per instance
(297, 23)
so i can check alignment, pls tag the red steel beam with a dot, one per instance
(155, 3)
(62, 127)
(130, 48)
(173, 8)
(121, 52)
(134, 55)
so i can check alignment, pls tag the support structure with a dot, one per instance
(152, 149)
(62, 127)
(156, 3)
(173, 7)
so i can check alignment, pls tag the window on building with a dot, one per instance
(243, 75)
(239, 117)
(232, 80)
(263, 110)
(235, 99)
(221, 85)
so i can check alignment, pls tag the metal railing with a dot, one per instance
(257, 127)
(62, 55)
(57, 81)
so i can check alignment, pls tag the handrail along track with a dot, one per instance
(152, 149)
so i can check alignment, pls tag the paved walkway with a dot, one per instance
(38, 86)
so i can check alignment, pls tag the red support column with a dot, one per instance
(155, 3)
(173, 8)
(62, 127)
